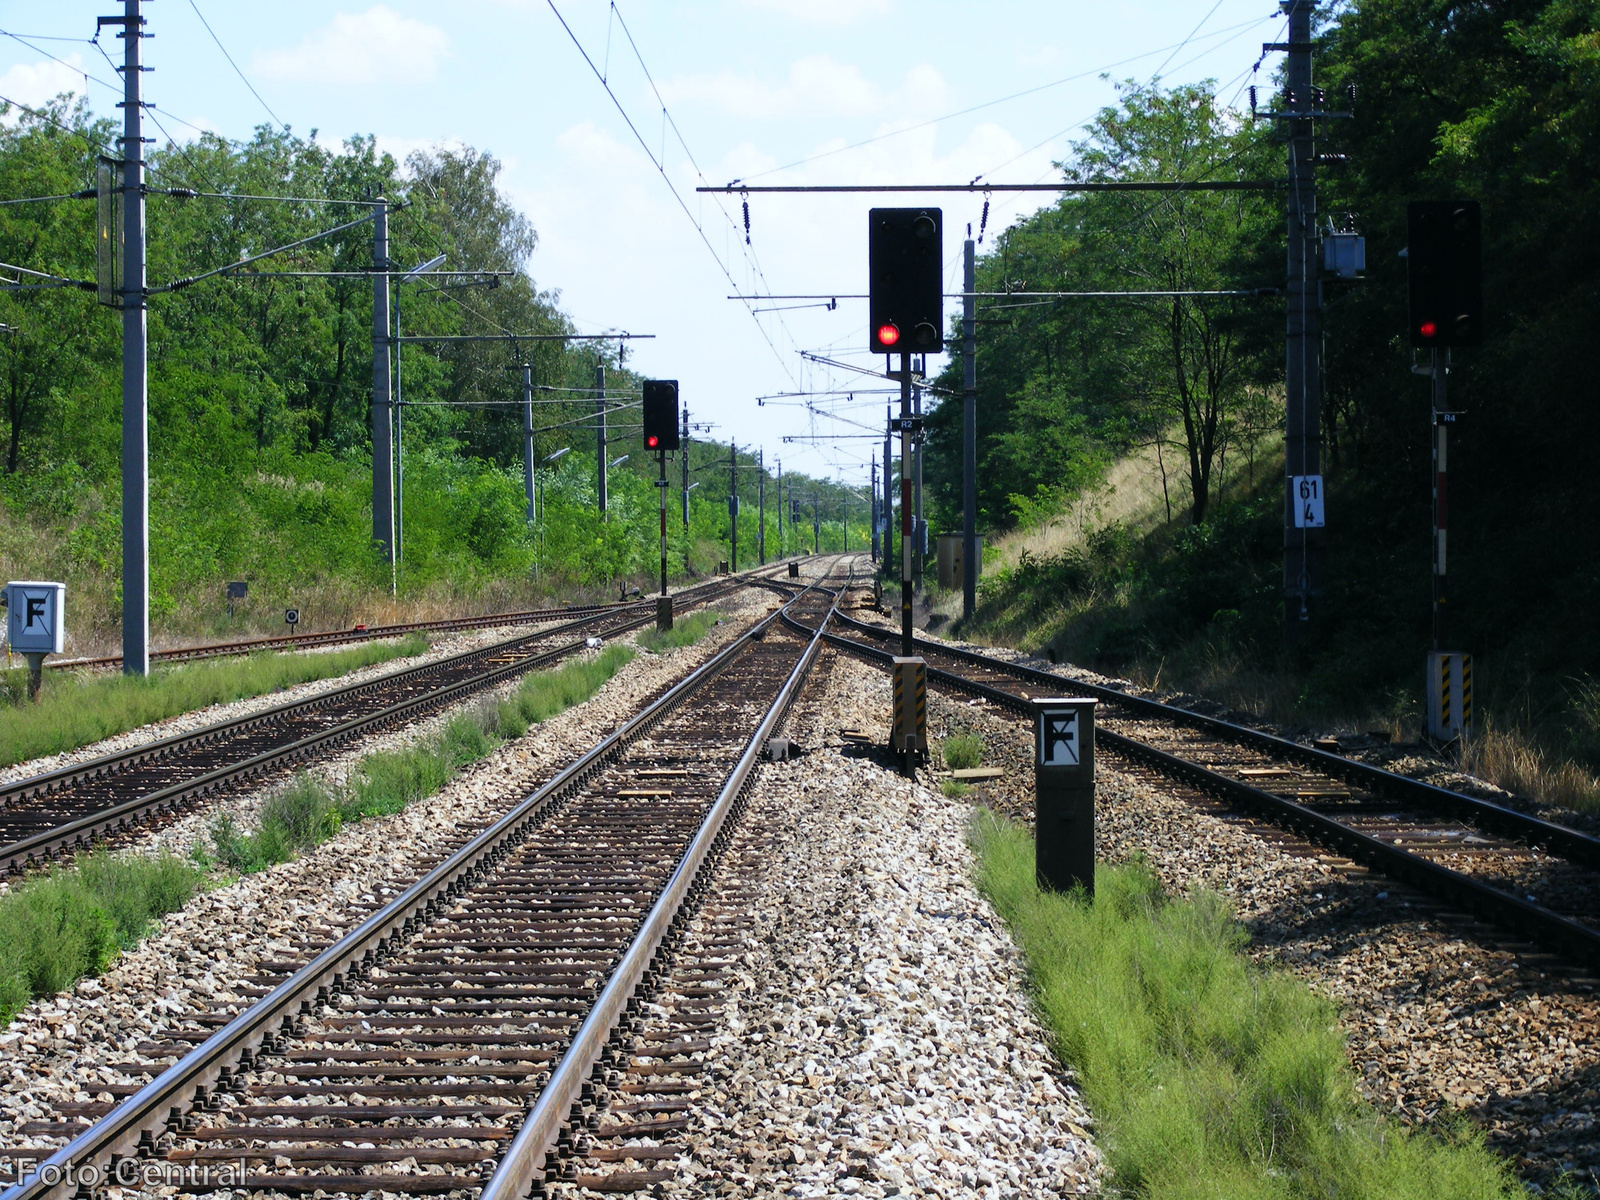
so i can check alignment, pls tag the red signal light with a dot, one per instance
(652, 441)
(888, 333)
(1428, 329)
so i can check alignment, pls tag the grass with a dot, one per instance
(307, 812)
(59, 927)
(954, 789)
(685, 631)
(78, 708)
(1508, 757)
(1211, 1079)
(962, 750)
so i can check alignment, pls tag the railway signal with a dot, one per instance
(905, 270)
(1444, 273)
(661, 414)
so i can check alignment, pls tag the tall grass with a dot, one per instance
(1211, 1079)
(1510, 758)
(685, 631)
(59, 927)
(78, 708)
(307, 812)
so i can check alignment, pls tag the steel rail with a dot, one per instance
(143, 1117)
(524, 1160)
(1560, 839)
(82, 831)
(333, 637)
(1577, 941)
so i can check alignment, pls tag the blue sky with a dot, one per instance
(769, 91)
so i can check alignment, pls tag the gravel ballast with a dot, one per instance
(1442, 1018)
(60, 1049)
(877, 1039)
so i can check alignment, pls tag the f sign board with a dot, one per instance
(35, 621)
(1059, 744)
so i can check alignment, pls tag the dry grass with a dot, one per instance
(1507, 757)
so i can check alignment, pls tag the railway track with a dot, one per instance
(449, 1041)
(44, 816)
(1536, 878)
(335, 637)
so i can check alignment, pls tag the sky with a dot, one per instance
(607, 117)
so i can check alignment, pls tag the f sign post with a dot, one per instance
(1064, 794)
(35, 624)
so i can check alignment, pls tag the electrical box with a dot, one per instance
(1063, 774)
(1449, 695)
(951, 552)
(35, 616)
(1344, 254)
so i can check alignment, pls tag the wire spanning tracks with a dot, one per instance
(67, 809)
(443, 1043)
(1515, 870)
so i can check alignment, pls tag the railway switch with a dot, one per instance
(1063, 769)
(909, 735)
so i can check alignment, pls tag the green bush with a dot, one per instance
(962, 750)
(548, 693)
(1211, 1078)
(685, 631)
(293, 820)
(59, 927)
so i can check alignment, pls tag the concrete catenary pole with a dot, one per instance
(782, 550)
(527, 438)
(135, 363)
(600, 435)
(382, 384)
(761, 507)
(969, 435)
(919, 539)
(888, 496)
(872, 516)
(733, 506)
(1302, 548)
(683, 439)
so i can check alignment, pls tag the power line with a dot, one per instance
(800, 162)
(240, 73)
(661, 169)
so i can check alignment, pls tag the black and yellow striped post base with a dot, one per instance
(908, 736)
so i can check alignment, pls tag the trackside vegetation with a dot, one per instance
(59, 927)
(685, 631)
(77, 708)
(1210, 1078)
(307, 812)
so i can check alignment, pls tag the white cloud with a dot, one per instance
(403, 147)
(816, 86)
(379, 45)
(34, 83)
(827, 12)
